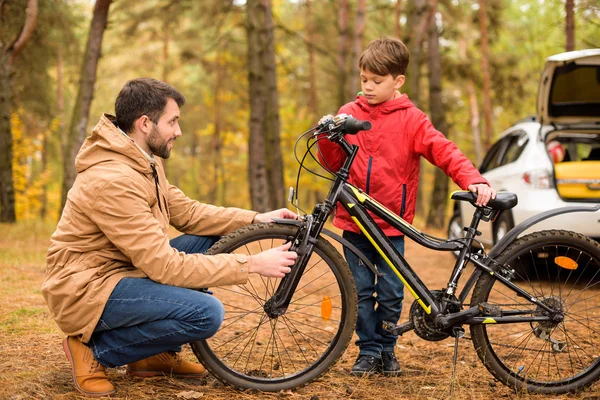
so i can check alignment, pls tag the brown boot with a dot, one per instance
(88, 374)
(168, 363)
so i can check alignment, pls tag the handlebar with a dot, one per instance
(352, 126)
(344, 124)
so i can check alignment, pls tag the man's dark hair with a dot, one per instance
(387, 55)
(144, 96)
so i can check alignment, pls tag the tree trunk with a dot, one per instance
(439, 195)
(218, 178)
(473, 106)
(418, 20)
(485, 75)
(357, 38)
(7, 189)
(265, 162)
(397, 15)
(313, 105)
(165, 71)
(79, 119)
(570, 26)
(475, 122)
(8, 53)
(343, 44)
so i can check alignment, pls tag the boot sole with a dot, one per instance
(362, 373)
(150, 374)
(67, 350)
(390, 373)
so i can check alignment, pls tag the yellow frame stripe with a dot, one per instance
(489, 321)
(385, 257)
(362, 197)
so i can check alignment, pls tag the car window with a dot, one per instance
(492, 158)
(515, 147)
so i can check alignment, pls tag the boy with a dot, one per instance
(387, 168)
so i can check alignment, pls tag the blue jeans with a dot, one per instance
(373, 340)
(143, 318)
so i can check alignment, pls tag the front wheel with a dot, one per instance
(255, 351)
(561, 269)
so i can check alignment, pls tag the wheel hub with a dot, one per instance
(544, 329)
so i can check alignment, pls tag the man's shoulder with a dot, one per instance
(107, 171)
(101, 177)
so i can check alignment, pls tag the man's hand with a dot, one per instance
(273, 263)
(484, 193)
(268, 217)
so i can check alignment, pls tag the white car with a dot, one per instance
(551, 160)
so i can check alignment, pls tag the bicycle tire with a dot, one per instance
(317, 350)
(544, 357)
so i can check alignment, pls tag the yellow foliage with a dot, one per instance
(26, 150)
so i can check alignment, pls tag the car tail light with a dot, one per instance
(538, 178)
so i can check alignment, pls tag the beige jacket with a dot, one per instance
(112, 228)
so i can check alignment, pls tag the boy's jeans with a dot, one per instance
(143, 318)
(390, 292)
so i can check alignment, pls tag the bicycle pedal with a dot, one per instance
(397, 329)
(490, 310)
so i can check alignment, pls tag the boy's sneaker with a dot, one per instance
(389, 365)
(365, 365)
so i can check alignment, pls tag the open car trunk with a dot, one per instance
(576, 156)
(569, 100)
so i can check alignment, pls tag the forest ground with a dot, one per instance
(33, 365)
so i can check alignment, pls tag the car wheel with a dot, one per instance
(504, 223)
(455, 228)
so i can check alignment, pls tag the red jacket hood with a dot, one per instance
(387, 107)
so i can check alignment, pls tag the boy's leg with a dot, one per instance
(364, 279)
(390, 294)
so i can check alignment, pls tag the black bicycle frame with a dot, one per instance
(358, 203)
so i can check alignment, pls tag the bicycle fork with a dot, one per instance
(303, 244)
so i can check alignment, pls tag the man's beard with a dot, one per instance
(156, 146)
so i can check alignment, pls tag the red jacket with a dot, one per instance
(387, 165)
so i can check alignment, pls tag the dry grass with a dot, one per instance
(33, 366)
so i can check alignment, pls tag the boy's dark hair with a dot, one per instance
(144, 96)
(387, 55)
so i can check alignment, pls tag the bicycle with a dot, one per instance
(534, 312)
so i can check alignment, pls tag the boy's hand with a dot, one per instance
(484, 193)
(268, 217)
(273, 263)
(324, 118)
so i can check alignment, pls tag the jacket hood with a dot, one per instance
(386, 107)
(107, 143)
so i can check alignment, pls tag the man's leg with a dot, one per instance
(390, 294)
(191, 244)
(364, 279)
(143, 318)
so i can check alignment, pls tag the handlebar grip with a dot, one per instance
(352, 126)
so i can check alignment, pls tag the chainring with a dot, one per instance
(424, 325)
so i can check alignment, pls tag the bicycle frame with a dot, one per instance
(358, 203)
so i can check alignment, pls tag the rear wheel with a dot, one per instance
(502, 225)
(562, 270)
(253, 350)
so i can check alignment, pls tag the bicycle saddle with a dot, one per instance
(503, 200)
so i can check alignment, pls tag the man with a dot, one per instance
(114, 283)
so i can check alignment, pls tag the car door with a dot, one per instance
(500, 169)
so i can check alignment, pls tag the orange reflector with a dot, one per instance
(566, 262)
(326, 308)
